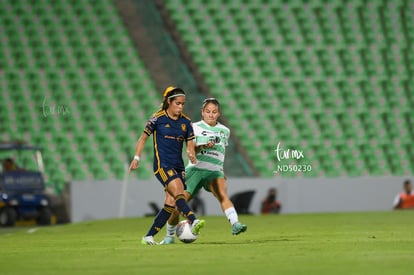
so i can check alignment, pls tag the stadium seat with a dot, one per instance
(297, 71)
(61, 60)
(336, 58)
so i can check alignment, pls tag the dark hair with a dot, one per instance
(169, 93)
(211, 100)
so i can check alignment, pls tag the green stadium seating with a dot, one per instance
(313, 71)
(72, 54)
(308, 73)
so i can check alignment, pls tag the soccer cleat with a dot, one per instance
(168, 240)
(238, 228)
(149, 240)
(197, 225)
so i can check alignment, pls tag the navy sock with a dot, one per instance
(160, 220)
(184, 208)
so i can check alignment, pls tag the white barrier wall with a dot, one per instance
(111, 199)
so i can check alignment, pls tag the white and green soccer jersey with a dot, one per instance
(211, 158)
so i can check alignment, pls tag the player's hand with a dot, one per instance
(192, 157)
(210, 144)
(133, 166)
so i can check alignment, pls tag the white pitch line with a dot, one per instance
(32, 230)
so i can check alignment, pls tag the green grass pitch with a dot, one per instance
(332, 243)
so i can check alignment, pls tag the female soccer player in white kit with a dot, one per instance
(211, 140)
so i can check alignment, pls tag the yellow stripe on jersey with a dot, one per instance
(159, 113)
(163, 175)
(156, 150)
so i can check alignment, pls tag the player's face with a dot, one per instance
(176, 106)
(210, 114)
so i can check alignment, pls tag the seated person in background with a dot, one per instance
(9, 165)
(270, 205)
(405, 199)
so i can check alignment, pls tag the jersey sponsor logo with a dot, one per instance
(180, 138)
(213, 136)
(212, 153)
(167, 125)
(153, 119)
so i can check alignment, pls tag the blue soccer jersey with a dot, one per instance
(168, 137)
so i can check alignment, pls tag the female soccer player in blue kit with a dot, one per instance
(170, 129)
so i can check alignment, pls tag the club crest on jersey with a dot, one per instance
(183, 127)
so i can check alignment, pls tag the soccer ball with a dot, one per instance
(184, 233)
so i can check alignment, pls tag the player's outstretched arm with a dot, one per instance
(138, 149)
